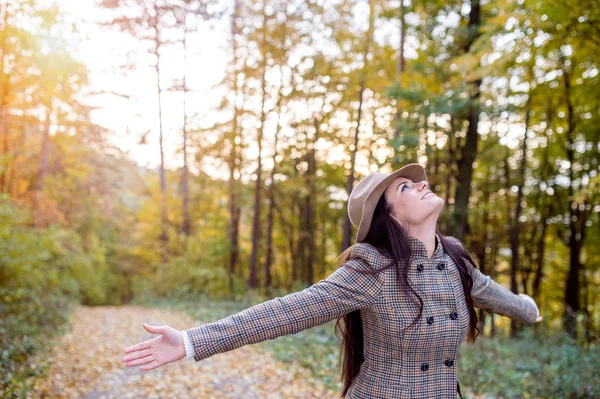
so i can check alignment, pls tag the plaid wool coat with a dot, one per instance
(399, 363)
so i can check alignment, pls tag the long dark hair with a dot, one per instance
(390, 239)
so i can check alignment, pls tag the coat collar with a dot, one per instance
(419, 252)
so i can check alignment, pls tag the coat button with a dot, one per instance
(424, 367)
(449, 362)
(441, 266)
(420, 267)
(453, 315)
(430, 320)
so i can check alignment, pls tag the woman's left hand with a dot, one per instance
(167, 348)
(530, 299)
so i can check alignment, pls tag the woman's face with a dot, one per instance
(413, 203)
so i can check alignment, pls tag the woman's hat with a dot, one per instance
(364, 197)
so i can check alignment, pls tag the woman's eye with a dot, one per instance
(403, 187)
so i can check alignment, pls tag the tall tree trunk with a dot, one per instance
(4, 88)
(400, 63)
(307, 233)
(271, 193)
(271, 200)
(295, 244)
(400, 67)
(363, 80)
(163, 182)
(516, 225)
(323, 241)
(539, 272)
(234, 208)
(289, 232)
(308, 219)
(450, 161)
(572, 284)
(509, 224)
(185, 171)
(469, 151)
(492, 270)
(481, 255)
(546, 212)
(252, 282)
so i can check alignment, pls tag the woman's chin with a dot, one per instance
(439, 203)
(437, 200)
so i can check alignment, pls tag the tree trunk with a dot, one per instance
(516, 225)
(306, 240)
(252, 282)
(4, 88)
(271, 195)
(400, 64)
(546, 212)
(290, 233)
(186, 225)
(163, 182)
(469, 151)
(572, 284)
(295, 238)
(481, 255)
(234, 208)
(539, 272)
(346, 240)
(400, 67)
(492, 271)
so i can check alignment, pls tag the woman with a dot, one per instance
(405, 294)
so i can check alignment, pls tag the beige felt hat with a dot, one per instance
(364, 197)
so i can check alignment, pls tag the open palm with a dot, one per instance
(161, 350)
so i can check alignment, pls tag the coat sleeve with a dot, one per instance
(495, 298)
(347, 289)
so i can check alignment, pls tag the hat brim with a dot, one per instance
(413, 171)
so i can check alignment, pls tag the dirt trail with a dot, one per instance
(86, 363)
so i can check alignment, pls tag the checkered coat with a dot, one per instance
(419, 362)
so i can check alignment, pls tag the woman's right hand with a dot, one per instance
(167, 348)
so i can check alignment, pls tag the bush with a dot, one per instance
(199, 271)
(43, 275)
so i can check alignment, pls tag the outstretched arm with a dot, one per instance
(343, 291)
(349, 288)
(492, 297)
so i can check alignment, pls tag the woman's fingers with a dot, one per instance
(168, 348)
(152, 365)
(137, 347)
(154, 329)
(139, 361)
(136, 355)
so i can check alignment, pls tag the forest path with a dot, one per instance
(86, 363)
